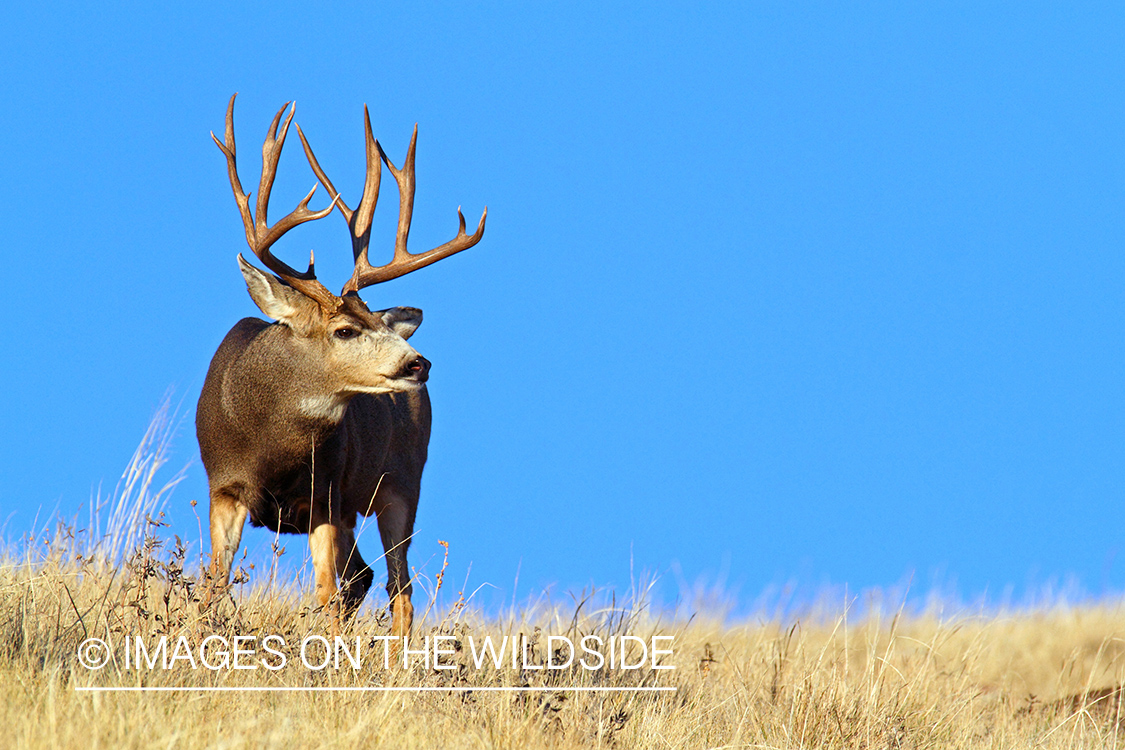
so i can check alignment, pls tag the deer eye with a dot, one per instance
(345, 333)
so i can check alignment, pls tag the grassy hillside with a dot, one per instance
(235, 676)
(1041, 678)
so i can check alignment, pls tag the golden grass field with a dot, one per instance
(1027, 679)
(1020, 679)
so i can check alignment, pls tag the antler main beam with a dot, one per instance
(259, 235)
(359, 221)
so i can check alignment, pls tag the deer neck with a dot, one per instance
(324, 408)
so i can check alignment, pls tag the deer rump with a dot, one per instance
(369, 463)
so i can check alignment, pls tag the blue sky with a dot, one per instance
(829, 294)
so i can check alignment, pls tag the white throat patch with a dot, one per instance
(328, 408)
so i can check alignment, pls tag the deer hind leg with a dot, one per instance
(355, 576)
(396, 526)
(227, 518)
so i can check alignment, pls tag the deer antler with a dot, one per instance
(359, 221)
(259, 235)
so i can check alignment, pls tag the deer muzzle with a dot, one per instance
(416, 369)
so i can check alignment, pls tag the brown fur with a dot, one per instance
(295, 472)
(306, 423)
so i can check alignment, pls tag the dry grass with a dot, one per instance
(1043, 678)
(1034, 679)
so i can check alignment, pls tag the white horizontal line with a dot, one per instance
(427, 689)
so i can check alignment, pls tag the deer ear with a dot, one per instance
(280, 302)
(402, 320)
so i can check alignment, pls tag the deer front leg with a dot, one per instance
(396, 526)
(402, 613)
(227, 518)
(323, 545)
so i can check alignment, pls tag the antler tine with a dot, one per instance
(259, 235)
(358, 221)
(240, 197)
(320, 174)
(405, 261)
(365, 212)
(405, 180)
(271, 155)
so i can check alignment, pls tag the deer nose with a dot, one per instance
(418, 368)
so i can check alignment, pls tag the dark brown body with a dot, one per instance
(292, 471)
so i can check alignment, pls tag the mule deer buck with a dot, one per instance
(323, 415)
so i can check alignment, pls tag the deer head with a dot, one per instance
(355, 350)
